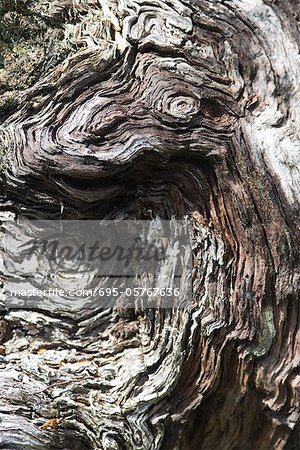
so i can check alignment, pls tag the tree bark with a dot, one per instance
(136, 109)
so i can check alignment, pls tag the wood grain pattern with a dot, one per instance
(137, 109)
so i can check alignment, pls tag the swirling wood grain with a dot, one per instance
(164, 109)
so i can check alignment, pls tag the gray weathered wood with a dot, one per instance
(136, 109)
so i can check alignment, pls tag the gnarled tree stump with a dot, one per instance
(136, 109)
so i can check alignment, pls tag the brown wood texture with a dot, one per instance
(138, 109)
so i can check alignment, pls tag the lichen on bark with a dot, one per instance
(30, 46)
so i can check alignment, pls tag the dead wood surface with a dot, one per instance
(138, 109)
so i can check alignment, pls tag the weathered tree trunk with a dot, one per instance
(136, 109)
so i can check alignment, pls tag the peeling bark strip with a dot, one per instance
(136, 109)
